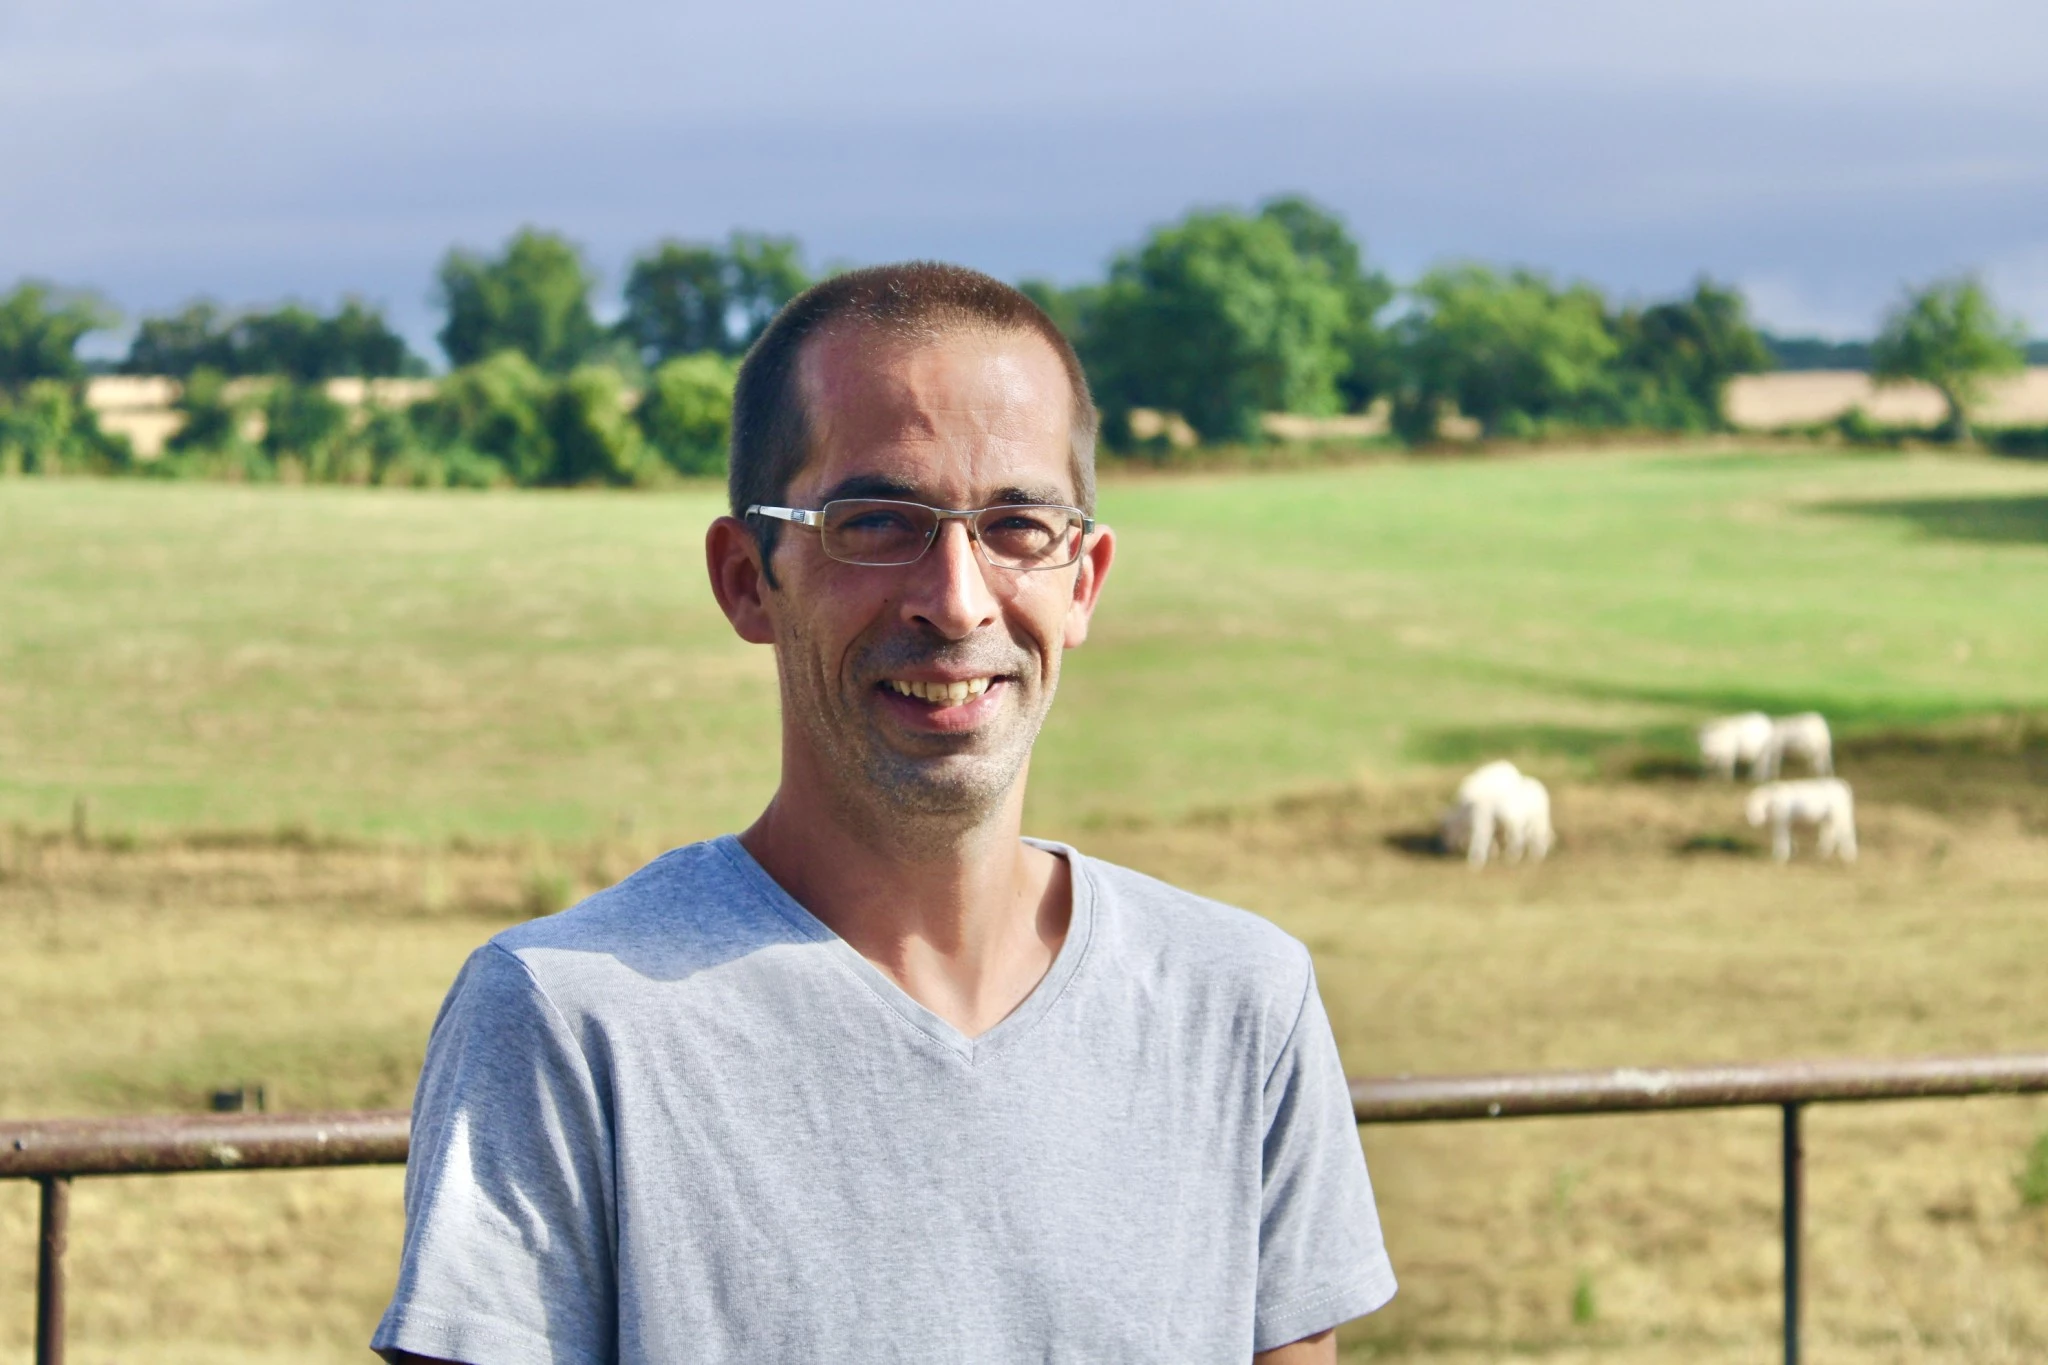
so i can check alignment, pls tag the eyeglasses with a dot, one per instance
(880, 532)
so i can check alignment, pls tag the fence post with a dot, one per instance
(1794, 1208)
(52, 1237)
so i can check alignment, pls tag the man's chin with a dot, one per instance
(967, 785)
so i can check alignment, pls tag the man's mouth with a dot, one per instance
(939, 693)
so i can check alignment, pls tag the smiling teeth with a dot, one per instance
(944, 692)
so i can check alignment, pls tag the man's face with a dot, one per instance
(967, 420)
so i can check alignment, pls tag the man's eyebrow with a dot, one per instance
(871, 486)
(1045, 493)
(882, 486)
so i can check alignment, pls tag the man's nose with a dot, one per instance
(949, 588)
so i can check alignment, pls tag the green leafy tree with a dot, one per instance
(215, 440)
(40, 328)
(301, 423)
(1685, 352)
(1511, 351)
(46, 428)
(686, 413)
(1950, 336)
(359, 340)
(1219, 318)
(1070, 308)
(767, 273)
(292, 340)
(176, 344)
(307, 347)
(493, 408)
(533, 298)
(285, 341)
(1320, 238)
(684, 298)
(676, 302)
(595, 440)
(214, 414)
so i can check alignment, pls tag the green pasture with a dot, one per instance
(490, 664)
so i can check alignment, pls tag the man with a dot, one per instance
(879, 1079)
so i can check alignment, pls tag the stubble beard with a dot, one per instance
(929, 793)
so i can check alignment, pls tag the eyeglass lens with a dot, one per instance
(878, 532)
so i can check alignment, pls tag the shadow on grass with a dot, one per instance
(1725, 845)
(1843, 712)
(1993, 520)
(1580, 743)
(1416, 843)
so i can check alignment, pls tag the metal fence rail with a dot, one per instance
(53, 1152)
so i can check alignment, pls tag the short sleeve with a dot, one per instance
(509, 1232)
(1321, 1257)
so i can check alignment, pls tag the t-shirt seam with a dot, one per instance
(1376, 1274)
(411, 1312)
(589, 1079)
(750, 873)
(1080, 873)
(820, 934)
(1368, 1294)
(1300, 1012)
(974, 1054)
(556, 1010)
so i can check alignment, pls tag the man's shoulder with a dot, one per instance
(691, 909)
(1196, 940)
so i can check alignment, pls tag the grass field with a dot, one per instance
(470, 706)
(369, 662)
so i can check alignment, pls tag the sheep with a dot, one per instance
(1525, 821)
(1733, 741)
(1497, 776)
(1470, 823)
(1804, 736)
(1824, 802)
(1498, 801)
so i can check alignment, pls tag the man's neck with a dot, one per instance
(967, 925)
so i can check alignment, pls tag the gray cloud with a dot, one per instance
(1818, 153)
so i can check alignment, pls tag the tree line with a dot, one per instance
(1221, 318)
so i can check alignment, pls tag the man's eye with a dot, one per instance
(873, 523)
(1021, 523)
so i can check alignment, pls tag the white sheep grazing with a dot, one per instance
(1824, 802)
(1804, 737)
(1735, 741)
(1525, 821)
(1497, 776)
(1469, 823)
(1498, 802)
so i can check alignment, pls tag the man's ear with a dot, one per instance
(733, 557)
(1097, 554)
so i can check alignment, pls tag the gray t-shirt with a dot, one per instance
(684, 1122)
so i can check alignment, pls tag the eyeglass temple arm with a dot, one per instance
(799, 515)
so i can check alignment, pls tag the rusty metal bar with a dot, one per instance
(52, 1239)
(201, 1142)
(1794, 1213)
(1434, 1099)
(52, 1151)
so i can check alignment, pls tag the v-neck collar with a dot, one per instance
(973, 1051)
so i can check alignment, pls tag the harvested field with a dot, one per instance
(1658, 933)
(1793, 398)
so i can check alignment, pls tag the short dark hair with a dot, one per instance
(914, 301)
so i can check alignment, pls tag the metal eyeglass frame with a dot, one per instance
(815, 519)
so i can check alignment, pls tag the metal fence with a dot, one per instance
(53, 1153)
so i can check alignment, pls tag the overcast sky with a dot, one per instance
(1819, 153)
